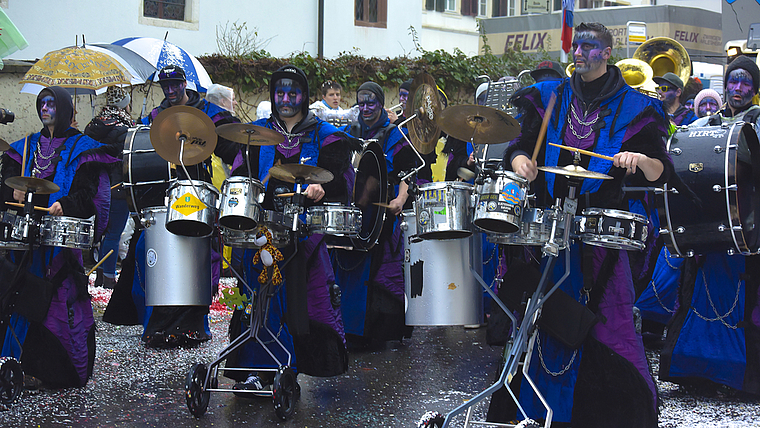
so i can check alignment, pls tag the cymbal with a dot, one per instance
(4, 145)
(424, 130)
(485, 125)
(35, 185)
(306, 174)
(245, 133)
(178, 123)
(574, 171)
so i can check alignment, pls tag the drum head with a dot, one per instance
(371, 191)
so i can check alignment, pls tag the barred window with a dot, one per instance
(371, 13)
(164, 9)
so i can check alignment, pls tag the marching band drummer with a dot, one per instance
(605, 382)
(172, 326)
(55, 324)
(306, 312)
(713, 338)
(373, 281)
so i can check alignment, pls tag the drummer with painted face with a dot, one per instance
(373, 281)
(713, 340)
(51, 316)
(607, 381)
(312, 327)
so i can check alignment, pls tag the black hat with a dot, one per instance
(671, 78)
(290, 72)
(551, 68)
(745, 63)
(375, 89)
(171, 72)
(406, 85)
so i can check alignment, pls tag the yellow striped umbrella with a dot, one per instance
(76, 67)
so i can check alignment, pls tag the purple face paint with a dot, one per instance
(403, 95)
(707, 106)
(369, 107)
(588, 52)
(174, 91)
(739, 88)
(47, 110)
(667, 97)
(288, 97)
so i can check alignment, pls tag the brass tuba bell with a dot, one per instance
(664, 55)
(570, 69)
(635, 72)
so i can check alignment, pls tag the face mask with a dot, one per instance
(288, 97)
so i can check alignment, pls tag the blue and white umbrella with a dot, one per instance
(160, 53)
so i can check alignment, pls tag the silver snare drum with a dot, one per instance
(192, 208)
(610, 228)
(535, 229)
(443, 210)
(239, 208)
(334, 220)
(278, 224)
(501, 199)
(69, 232)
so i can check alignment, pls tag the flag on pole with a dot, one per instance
(567, 24)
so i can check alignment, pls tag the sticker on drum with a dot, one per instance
(188, 204)
(151, 257)
(191, 215)
(500, 202)
(443, 210)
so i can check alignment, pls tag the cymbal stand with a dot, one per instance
(183, 140)
(296, 206)
(423, 164)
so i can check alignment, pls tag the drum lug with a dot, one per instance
(664, 231)
(718, 149)
(722, 228)
(680, 229)
(718, 188)
(737, 228)
(690, 253)
(730, 252)
(676, 151)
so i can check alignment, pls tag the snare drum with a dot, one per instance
(192, 208)
(146, 174)
(439, 287)
(334, 220)
(501, 199)
(239, 208)
(443, 210)
(712, 203)
(7, 223)
(610, 228)
(535, 229)
(278, 224)
(69, 232)
(177, 268)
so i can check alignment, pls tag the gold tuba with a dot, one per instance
(570, 69)
(664, 55)
(638, 75)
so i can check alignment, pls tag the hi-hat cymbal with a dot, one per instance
(306, 174)
(574, 171)
(35, 185)
(245, 133)
(485, 125)
(183, 123)
(4, 145)
(424, 130)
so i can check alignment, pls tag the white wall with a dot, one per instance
(446, 31)
(291, 24)
(711, 5)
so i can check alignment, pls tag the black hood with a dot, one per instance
(64, 108)
(614, 82)
(290, 72)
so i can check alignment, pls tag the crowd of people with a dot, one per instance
(703, 312)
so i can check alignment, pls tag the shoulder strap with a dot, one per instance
(71, 152)
(752, 116)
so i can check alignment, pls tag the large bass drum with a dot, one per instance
(712, 202)
(146, 174)
(369, 195)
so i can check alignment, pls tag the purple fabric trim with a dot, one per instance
(571, 140)
(350, 176)
(102, 201)
(391, 272)
(330, 139)
(239, 160)
(96, 157)
(536, 101)
(616, 308)
(321, 277)
(288, 153)
(636, 127)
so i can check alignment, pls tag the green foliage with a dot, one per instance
(249, 72)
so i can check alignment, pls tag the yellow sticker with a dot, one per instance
(452, 286)
(188, 204)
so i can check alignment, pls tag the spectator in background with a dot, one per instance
(547, 70)
(330, 96)
(670, 89)
(222, 96)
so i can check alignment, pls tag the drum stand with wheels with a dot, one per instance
(202, 379)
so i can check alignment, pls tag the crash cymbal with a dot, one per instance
(574, 171)
(306, 174)
(4, 145)
(485, 125)
(35, 185)
(245, 133)
(424, 130)
(183, 123)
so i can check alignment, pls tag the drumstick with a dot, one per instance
(544, 125)
(23, 159)
(16, 204)
(115, 186)
(381, 204)
(99, 263)
(585, 152)
(284, 195)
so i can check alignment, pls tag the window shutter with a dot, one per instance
(466, 7)
(429, 4)
(440, 5)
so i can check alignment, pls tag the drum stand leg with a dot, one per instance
(519, 348)
(257, 322)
